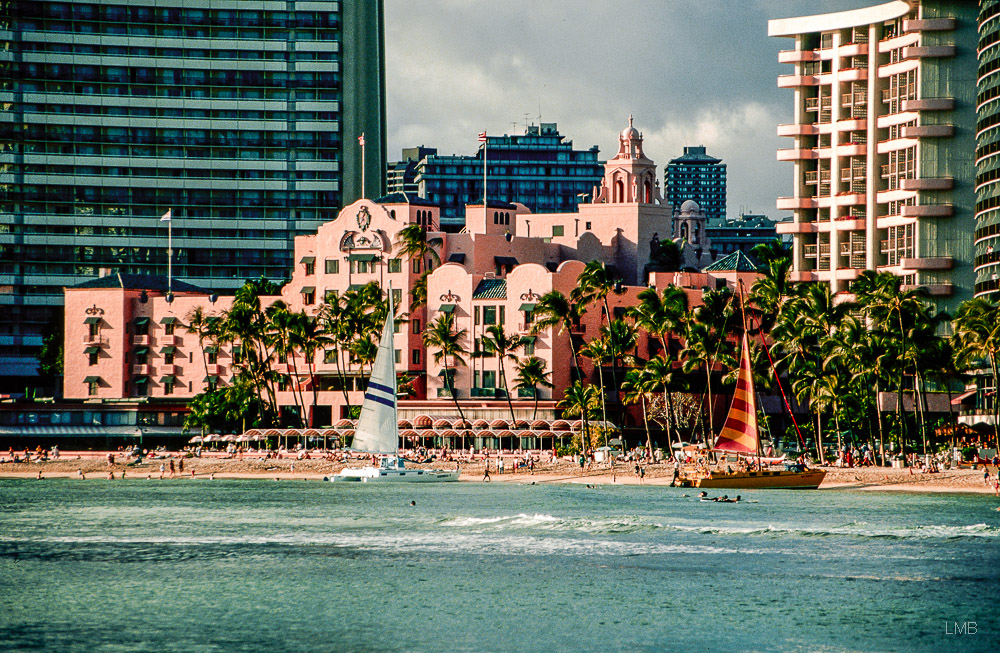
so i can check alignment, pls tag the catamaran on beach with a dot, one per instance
(377, 432)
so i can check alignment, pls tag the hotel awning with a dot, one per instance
(356, 286)
(457, 257)
(449, 372)
(528, 338)
(92, 350)
(92, 379)
(139, 351)
(529, 307)
(169, 378)
(308, 289)
(363, 257)
(141, 379)
(212, 349)
(307, 259)
(506, 261)
(92, 320)
(169, 349)
(211, 378)
(446, 308)
(139, 321)
(169, 320)
(960, 399)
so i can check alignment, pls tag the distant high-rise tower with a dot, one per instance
(884, 131)
(244, 118)
(988, 151)
(700, 177)
(539, 169)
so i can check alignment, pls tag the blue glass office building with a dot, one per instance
(700, 177)
(241, 116)
(539, 169)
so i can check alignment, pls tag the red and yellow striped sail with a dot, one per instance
(740, 431)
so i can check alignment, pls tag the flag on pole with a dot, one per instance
(361, 139)
(482, 137)
(166, 216)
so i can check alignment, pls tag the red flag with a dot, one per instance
(361, 139)
(482, 137)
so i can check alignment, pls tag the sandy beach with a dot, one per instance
(93, 465)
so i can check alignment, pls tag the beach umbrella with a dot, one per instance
(229, 438)
(195, 440)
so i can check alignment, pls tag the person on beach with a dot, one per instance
(180, 466)
(642, 475)
(171, 468)
(486, 472)
(39, 475)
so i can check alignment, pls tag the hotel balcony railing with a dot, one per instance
(169, 340)
(928, 51)
(809, 251)
(97, 340)
(815, 103)
(927, 131)
(900, 93)
(169, 369)
(929, 24)
(141, 369)
(927, 211)
(214, 370)
(857, 98)
(140, 340)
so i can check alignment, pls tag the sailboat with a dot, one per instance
(740, 436)
(377, 431)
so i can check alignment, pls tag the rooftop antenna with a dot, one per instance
(526, 114)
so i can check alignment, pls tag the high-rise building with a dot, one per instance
(401, 176)
(988, 151)
(539, 169)
(698, 176)
(244, 118)
(884, 129)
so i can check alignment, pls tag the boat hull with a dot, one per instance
(382, 475)
(773, 480)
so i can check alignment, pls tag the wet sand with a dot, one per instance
(94, 466)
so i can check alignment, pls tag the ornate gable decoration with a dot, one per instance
(364, 218)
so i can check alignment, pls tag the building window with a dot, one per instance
(475, 312)
(310, 268)
(141, 389)
(416, 326)
(489, 379)
(529, 346)
(94, 330)
(168, 387)
(503, 316)
(212, 357)
(415, 357)
(92, 360)
(557, 230)
(397, 356)
(586, 226)
(168, 359)
(489, 315)
(332, 266)
(92, 388)
(309, 298)
(416, 266)
(141, 357)
(397, 297)
(168, 329)
(395, 265)
(330, 356)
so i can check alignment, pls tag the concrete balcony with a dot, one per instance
(928, 51)
(170, 370)
(214, 370)
(929, 104)
(849, 224)
(928, 131)
(894, 195)
(798, 154)
(847, 274)
(853, 49)
(853, 75)
(797, 56)
(141, 340)
(929, 263)
(796, 227)
(895, 42)
(928, 211)
(940, 183)
(884, 147)
(933, 289)
(792, 203)
(892, 119)
(141, 370)
(886, 221)
(795, 129)
(929, 25)
(854, 125)
(172, 340)
(95, 340)
(852, 149)
(803, 276)
(897, 68)
(793, 81)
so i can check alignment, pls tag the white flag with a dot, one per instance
(166, 216)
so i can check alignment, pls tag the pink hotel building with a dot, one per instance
(883, 143)
(126, 341)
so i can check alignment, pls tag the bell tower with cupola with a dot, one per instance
(629, 178)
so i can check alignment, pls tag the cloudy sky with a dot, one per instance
(692, 72)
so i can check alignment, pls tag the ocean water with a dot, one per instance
(259, 565)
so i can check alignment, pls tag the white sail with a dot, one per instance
(378, 428)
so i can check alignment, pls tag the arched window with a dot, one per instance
(684, 231)
(619, 191)
(647, 192)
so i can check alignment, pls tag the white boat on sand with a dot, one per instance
(377, 431)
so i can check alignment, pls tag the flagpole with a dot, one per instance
(170, 253)
(362, 141)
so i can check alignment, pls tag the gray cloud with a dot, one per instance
(692, 72)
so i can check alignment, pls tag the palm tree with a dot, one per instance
(413, 243)
(770, 289)
(594, 284)
(634, 389)
(201, 326)
(308, 336)
(503, 346)
(442, 335)
(582, 400)
(531, 374)
(618, 339)
(977, 335)
(553, 310)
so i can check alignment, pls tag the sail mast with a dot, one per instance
(378, 428)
